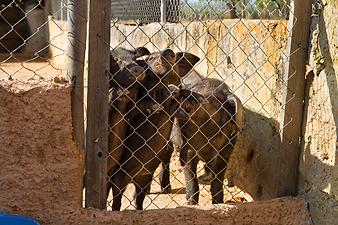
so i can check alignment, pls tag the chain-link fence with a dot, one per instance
(32, 40)
(197, 107)
(128, 11)
(37, 45)
(145, 11)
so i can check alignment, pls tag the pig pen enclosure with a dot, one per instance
(173, 102)
(235, 55)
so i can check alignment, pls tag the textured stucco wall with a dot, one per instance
(319, 158)
(254, 164)
(41, 168)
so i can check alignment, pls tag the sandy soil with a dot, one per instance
(158, 200)
(35, 70)
(284, 211)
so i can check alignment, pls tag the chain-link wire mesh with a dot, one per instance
(213, 138)
(32, 40)
(221, 9)
(194, 105)
(188, 10)
(145, 11)
(37, 42)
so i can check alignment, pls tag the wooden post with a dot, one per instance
(77, 31)
(293, 98)
(97, 104)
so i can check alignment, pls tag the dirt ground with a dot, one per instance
(32, 70)
(158, 200)
(283, 211)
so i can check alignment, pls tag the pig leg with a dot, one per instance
(217, 187)
(117, 133)
(218, 167)
(207, 176)
(165, 172)
(190, 174)
(175, 140)
(110, 176)
(109, 186)
(142, 186)
(119, 183)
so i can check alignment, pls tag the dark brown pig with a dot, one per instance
(124, 69)
(146, 144)
(125, 78)
(210, 135)
(167, 67)
(170, 67)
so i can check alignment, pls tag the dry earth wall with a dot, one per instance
(319, 158)
(41, 168)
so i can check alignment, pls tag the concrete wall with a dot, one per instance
(246, 54)
(38, 43)
(46, 30)
(41, 170)
(319, 158)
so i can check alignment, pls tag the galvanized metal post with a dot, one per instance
(76, 46)
(163, 11)
(77, 32)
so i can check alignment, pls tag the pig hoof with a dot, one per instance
(192, 202)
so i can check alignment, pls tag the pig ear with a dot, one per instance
(200, 99)
(173, 88)
(185, 62)
(236, 110)
(141, 51)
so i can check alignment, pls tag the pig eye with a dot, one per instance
(150, 58)
(188, 108)
(172, 56)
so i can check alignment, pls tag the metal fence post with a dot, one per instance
(293, 97)
(77, 31)
(97, 103)
(163, 11)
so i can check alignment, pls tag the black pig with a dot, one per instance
(210, 135)
(167, 67)
(170, 67)
(125, 78)
(146, 144)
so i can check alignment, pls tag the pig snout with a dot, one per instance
(137, 72)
